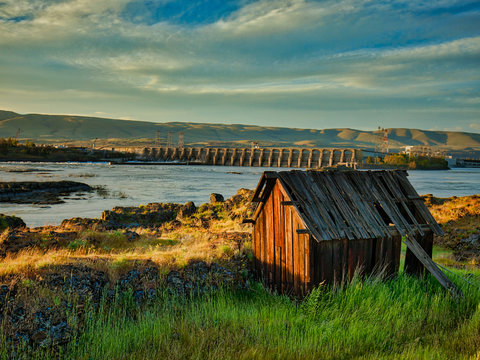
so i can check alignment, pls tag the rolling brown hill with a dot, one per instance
(49, 128)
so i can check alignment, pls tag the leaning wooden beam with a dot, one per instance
(427, 261)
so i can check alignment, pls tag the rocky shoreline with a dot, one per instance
(46, 192)
(53, 278)
(46, 305)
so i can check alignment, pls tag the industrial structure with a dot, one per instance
(262, 157)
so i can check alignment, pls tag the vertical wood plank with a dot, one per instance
(278, 238)
(337, 257)
(283, 242)
(296, 255)
(327, 271)
(316, 259)
(270, 241)
(397, 241)
(353, 250)
(308, 253)
(264, 249)
(254, 246)
(290, 268)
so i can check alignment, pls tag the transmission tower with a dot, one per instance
(385, 141)
(382, 141)
(181, 142)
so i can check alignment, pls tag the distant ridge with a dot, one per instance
(46, 128)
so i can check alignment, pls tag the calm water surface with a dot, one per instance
(146, 184)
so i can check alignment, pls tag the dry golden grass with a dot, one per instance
(454, 208)
(114, 254)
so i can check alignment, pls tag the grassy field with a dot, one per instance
(400, 318)
(403, 318)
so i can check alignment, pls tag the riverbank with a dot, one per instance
(12, 150)
(406, 162)
(131, 269)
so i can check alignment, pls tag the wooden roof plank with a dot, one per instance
(360, 211)
(321, 201)
(420, 205)
(319, 210)
(313, 212)
(340, 205)
(399, 219)
(381, 200)
(319, 232)
(319, 192)
(401, 199)
(344, 212)
(366, 192)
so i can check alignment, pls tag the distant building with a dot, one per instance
(428, 151)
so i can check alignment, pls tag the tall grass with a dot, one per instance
(400, 318)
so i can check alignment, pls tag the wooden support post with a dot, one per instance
(290, 157)
(342, 156)
(310, 158)
(332, 154)
(300, 157)
(320, 159)
(427, 261)
(280, 157)
(413, 266)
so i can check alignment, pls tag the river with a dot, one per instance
(141, 184)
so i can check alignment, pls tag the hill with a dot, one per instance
(49, 128)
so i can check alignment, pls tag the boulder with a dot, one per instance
(10, 222)
(131, 235)
(216, 198)
(187, 210)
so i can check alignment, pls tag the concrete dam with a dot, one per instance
(261, 157)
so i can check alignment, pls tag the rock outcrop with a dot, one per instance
(11, 222)
(45, 192)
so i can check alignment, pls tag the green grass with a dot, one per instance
(397, 319)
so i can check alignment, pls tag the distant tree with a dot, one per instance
(3, 147)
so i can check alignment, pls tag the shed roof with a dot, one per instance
(351, 204)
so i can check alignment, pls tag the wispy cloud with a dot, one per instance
(268, 56)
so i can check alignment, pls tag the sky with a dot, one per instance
(295, 63)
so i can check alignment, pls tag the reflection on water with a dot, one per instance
(145, 184)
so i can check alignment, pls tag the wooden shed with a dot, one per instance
(312, 226)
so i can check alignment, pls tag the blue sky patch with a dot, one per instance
(180, 12)
(16, 18)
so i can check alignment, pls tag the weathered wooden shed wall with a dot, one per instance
(282, 255)
(290, 260)
(314, 227)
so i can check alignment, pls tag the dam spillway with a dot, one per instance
(258, 157)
